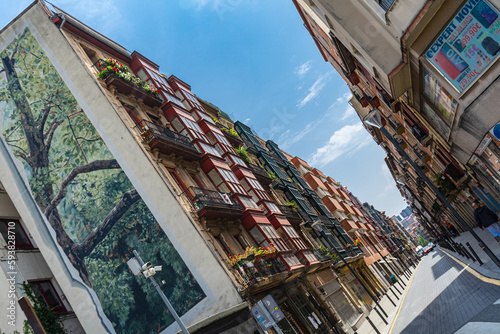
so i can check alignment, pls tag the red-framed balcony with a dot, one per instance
(214, 204)
(167, 141)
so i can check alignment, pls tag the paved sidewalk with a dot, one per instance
(388, 307)
(489, 268)
(447, 293)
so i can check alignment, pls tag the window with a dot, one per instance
(45, 291)
(223, 143)
(153, 77)
(291, 260)
(194, 129)
(293, 238)
(265, 234)
(274, 237)
(385, 4)
(231, 181)
(248, 203)
(254, 189)
(209, 149)
(192, 100)
(13, 232)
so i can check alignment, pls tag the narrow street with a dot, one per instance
(443, 297)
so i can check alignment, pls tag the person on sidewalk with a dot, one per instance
(486, 218)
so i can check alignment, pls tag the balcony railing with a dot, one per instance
(233, 138)
(260, 173)
(127, 83)
(290, 213)
(167, 141)
(210, 204)
(260, 272)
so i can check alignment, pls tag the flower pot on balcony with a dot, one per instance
(258, 257)
(128, 88)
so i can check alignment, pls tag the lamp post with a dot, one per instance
(138, 267)
(374, 119)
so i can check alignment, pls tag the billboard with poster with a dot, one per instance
(468, 44)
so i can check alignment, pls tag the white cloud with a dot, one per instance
(315, 89)
(247, 120)
(91, 12)
(348, 139)
(349, 111)
(303, 69)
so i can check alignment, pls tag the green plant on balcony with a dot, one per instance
(444, 184)
(271, 175)
(231, 131)
(111, 66)
(327, 253)
(242, 152)
(292, 204)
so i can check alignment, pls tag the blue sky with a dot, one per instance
(255, 60)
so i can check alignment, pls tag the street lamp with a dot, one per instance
(374, 119)
(137, 267)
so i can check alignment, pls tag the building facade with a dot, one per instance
(104, 154)
(395, 58)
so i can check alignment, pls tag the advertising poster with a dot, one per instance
(96, 213)
(468, 45)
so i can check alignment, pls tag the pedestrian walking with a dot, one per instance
(486, 218)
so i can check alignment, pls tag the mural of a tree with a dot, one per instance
(44, 106)
(96, 213)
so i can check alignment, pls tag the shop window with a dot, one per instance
(12, 231)
(46, 292)
(439, 105)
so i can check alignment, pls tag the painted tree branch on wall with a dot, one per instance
(37, 126)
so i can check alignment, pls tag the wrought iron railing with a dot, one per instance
(258, 170)
(321, 255)
(150, 131)
(288, 211)
(203, 198)
(251, 270)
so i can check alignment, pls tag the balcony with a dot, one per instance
(259, 275)
(291, 215)
(213, 204)
(261, 174)
(126, 83)
(231, 136)
(349, 225)
(167, 141)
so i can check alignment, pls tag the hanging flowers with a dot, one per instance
(357, 241)
(112, 67)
